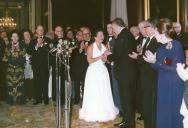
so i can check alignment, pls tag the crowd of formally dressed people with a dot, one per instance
(121, 70)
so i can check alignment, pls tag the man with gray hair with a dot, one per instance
(124, 71)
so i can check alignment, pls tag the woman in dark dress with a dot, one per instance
(170, 86)
(15, 57)
(28, 72)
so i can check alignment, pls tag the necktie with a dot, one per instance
(145, 45)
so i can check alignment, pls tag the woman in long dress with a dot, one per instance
(15, 57)
(28, 72)
(170, 86)
(98, 104)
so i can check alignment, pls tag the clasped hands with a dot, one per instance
(148, 57)
(105, 55)
(40, 42)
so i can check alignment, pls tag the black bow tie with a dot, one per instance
(86, 42)
(144, 37)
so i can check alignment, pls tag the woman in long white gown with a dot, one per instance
(98, 104)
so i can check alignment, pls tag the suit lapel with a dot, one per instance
(151, 43)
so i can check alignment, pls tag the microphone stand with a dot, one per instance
(58, 88)
(68, 87)
(68, 90)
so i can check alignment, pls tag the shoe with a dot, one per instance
(37, 102)
(121, 125)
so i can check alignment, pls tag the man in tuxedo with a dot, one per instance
(136, 33)
(58, 37)
(110, 66)
(109, 31)
(39, 48)
(87, 36)
(148, 76)
(124, 70)
(141, 26)
(83, 52)
(78, 73)
(109, 38)
(140, 37)
(138, 93)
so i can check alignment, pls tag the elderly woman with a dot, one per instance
(170, 86)
(15, 57)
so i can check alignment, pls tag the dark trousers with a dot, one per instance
(41, 78)
(138, 95)
(54, 87)
(115, 90)
(126, 88)
(29, 83)
(149, 91)
(77, 86)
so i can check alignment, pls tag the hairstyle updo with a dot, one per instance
(165, 27)
(96, 31)
(15, 31)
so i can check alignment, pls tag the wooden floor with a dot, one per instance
(41, 116)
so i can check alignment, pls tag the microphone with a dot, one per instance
(59, 46)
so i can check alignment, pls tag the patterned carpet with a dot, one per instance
(41, 116)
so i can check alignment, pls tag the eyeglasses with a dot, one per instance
(175, 27)
(147, 26)
(86, 33)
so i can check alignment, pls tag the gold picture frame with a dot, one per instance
(147, 9)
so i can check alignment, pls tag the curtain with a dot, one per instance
(119, 9)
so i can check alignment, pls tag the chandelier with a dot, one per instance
(7, 21)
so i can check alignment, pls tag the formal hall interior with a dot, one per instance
(72, 15)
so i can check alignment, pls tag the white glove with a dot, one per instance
(182, 72)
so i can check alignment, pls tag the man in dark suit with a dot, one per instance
(136, 33)
(138, 93)
(110, 66)
(78, 58)
(124, 70)
(148, 76)
(83, 53)
(58, 37)
(39, 48)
